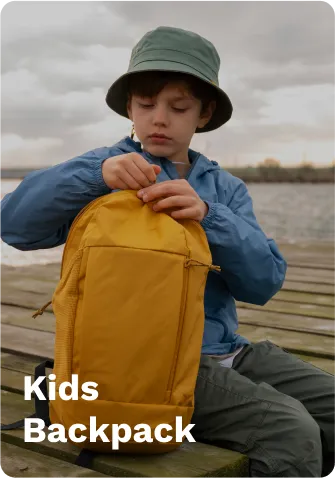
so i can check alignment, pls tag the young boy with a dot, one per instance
(257, 399)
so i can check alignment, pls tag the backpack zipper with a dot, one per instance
(81, 212)
(84, 209)
(187, 264)
(180, 328)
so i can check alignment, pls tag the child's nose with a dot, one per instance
(160, 115)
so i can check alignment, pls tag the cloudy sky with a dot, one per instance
(59, 59)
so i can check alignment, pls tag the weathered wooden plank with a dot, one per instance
(27, 341)
(319, 276)
(298, 342)
(314, 256)
(45, 272)
(48, 276)
(20, 317)
(313, 265)
(191, 459)
(309, 310)
(13, 370)
(301, 278)
(321, 252)
(277, 320)
(306, 246)
(304, 298)
(327, 365)
(29, 287)
(19, 363)
(51, 271)
(12, 380)
(18, 461)
(309, 287)
(311, 272)
(317, 256)
(312, 293)
(26, 365)
(41, 280)
(306, 304)
(26, 299)
(313, 260)
(33, 289)
(291, 291)
(320, 260)
(259, 317)
(35, 285)
(253, 314)
(40, 344)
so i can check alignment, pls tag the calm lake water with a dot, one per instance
(286, 212)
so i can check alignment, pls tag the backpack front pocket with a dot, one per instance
(130, 322)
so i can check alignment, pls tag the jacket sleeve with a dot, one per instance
(252, 266)
(39, 213)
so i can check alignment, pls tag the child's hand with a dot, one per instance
(129, 171)
(177, 194)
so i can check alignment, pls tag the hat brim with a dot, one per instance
(116, 97)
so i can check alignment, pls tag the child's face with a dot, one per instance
(174, 112)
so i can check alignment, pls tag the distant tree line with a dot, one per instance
(271, 171)
(15, 173)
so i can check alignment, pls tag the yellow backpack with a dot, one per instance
(129, 311)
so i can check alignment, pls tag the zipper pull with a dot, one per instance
(41, 311)
(193, 262)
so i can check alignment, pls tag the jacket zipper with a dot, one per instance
(191, 168)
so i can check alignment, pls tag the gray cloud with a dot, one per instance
(261, 137)
(59, 59)
(291, 76)
(273, 32)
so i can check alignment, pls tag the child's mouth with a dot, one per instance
(159, 139)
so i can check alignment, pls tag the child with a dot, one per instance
(257, 399)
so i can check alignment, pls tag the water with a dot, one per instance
(286, 212)
(293, 212)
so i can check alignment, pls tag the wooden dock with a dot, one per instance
(299, 318)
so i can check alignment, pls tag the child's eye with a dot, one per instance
(149, 105)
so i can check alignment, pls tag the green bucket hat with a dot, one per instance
(174, 49)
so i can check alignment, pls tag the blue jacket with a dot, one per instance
(39, 213)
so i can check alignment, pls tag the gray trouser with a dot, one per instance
(271, 406)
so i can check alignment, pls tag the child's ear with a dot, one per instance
(130, 115)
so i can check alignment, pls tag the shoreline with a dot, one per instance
(261, 174)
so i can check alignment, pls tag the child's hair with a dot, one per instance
(150, 83)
